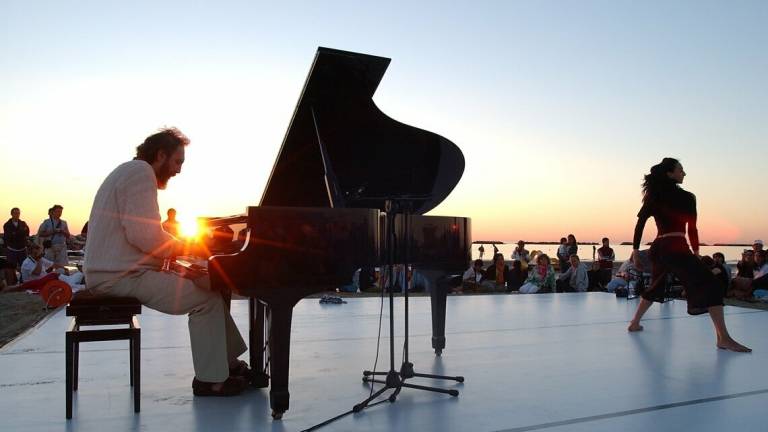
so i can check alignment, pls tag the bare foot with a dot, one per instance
(634, 327)
(732, 345)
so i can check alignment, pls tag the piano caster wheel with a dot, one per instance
(278, 415)
(460, 379)
(453, 392)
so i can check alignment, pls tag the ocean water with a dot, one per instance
(732, 253)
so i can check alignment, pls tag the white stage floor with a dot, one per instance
(552, 362)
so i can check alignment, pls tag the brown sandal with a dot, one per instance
(231, 387)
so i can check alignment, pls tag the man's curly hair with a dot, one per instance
(167, 140)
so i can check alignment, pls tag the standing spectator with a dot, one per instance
(56, 229)
(15, 236)
(562, 255)
(605, 255)
(575, 279)
(481, 249)
(573, 246)
(605, 259)
(171, 225)
(41, 234)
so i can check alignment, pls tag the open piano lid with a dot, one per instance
(368, 156)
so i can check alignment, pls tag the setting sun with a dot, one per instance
(188, 227)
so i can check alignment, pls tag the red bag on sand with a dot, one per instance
(37, 284)
(56, 293)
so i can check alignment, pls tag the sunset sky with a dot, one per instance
(559, 107)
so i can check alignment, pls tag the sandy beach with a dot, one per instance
(19, 311)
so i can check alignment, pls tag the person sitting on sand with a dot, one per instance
(36, 266)
(541, 278)
(496, 275)
(575, 279)
(745, 267)
(471, 279)
(622, 276)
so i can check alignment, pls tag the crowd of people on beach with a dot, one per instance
(532, 272)
(28, 259)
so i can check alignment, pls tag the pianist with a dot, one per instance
(126, 249)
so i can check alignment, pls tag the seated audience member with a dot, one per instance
(496, 275)
(745, 267)
(719, 259)
(521, 253)
(717, 270)
(541, 278)
(621, 278)
(575, 279)
(519, 272)
(760, 275)
(36, 266)
(471, 279)
(743, 287)
(8, 272)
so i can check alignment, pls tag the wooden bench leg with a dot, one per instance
(76, 357)
(130, 355)
(136, 357)
(70, 365)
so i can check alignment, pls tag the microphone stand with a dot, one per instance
(396, 379)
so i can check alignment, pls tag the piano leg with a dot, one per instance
(438, 295)
(259, 376)
(279, 350)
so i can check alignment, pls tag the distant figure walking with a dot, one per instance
(481, 249)
(672, 209)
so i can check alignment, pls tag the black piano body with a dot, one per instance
(341, 164)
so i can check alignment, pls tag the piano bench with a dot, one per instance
(87, 309)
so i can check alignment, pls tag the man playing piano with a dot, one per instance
(126, 249)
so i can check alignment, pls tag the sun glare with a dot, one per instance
(189, 228)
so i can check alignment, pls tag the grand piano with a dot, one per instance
(343, 163)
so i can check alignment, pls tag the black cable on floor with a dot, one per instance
(375, 363)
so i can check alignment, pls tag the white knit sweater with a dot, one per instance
(124, 230)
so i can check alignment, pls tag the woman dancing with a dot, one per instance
(673, 208)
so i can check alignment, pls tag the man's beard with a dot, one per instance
(164, 175)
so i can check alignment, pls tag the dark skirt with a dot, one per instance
(671, 255)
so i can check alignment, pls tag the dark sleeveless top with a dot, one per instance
(671, 216)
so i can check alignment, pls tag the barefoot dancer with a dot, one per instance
(673, 208)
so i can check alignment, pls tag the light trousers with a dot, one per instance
(213, 335)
